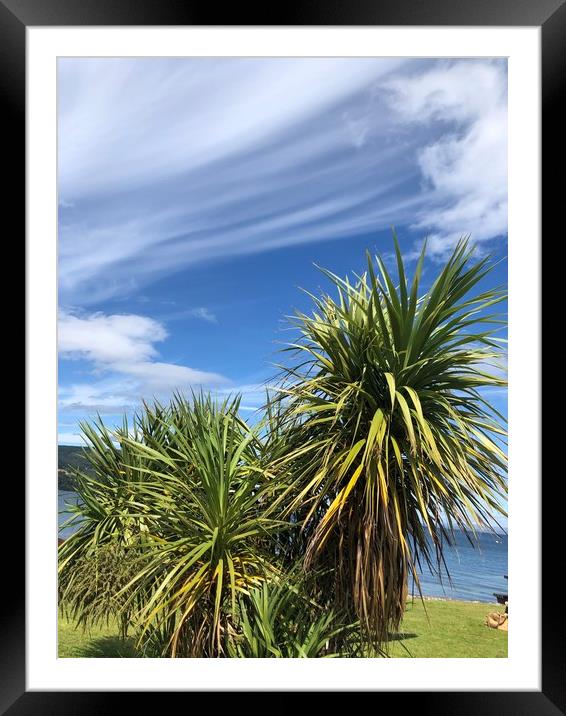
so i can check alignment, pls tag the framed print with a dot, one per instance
(234, 484)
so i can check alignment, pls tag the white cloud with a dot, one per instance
(466, 168)
(67, 438)
(108, 339)
(203, 313)
(174, 162)
(358, 128)
(168, 376)
(253, 395)
(124, 120)
(121, 347)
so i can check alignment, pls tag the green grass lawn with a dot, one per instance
(102, 642)
(452, 629)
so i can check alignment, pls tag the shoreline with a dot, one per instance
(416, 597)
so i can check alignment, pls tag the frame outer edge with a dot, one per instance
(553, 67)
(12, 99)
(12, 61)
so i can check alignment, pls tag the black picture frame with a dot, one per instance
(15, 16)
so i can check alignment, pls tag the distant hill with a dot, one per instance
(70, 458)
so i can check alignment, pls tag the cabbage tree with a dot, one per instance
(391, 441)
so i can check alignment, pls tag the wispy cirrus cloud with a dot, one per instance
(125, 121)
(154, 179)
(205, 314)
(283, 151)
(167, 164)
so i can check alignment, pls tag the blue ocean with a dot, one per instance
(475, 572)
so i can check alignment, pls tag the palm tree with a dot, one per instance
(173, 517)
(391, 444)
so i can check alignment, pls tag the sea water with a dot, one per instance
(476, 572)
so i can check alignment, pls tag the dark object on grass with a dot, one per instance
(502, 599)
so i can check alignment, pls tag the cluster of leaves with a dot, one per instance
(182, 495)
(297, 537)
(279, 620)
(390, 444)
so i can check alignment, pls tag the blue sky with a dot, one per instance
(196, 195)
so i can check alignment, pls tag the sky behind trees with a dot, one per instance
(197, 195)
